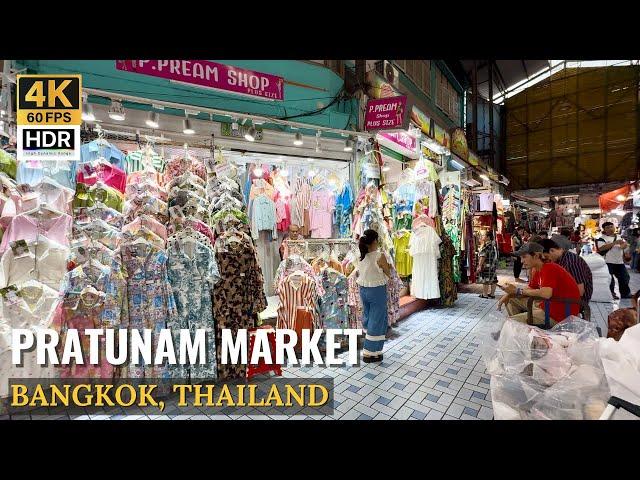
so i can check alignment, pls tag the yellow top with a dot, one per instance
(404, 260)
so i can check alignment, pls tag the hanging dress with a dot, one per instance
(424, 247)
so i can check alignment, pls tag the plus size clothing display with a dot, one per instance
(125, 241)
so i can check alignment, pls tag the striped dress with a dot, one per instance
(297, 290)
(301, 201)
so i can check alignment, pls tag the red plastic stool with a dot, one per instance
(261, 366)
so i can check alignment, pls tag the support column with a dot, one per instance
(474, 103)
(491, 150)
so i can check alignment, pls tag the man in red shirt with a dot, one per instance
(552, 281)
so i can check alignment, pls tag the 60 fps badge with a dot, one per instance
(49, 116)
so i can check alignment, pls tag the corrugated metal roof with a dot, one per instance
(506, 73)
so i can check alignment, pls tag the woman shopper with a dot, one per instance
(487, 266)
(516, 244)
(373, 273)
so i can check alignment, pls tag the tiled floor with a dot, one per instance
(432, 370)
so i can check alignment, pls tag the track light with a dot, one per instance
(187, 129)
(348, 145)
(116, 111)
(152, 119)
(250, 134)
(298, 140)
(87, 113)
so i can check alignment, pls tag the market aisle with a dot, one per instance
(431, 370)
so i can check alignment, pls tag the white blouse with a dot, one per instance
(15, 312)
(46, 262)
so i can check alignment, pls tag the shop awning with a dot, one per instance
(614, 199)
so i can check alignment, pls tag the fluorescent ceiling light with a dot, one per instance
(484, 177)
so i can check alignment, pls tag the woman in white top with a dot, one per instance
(373, 273)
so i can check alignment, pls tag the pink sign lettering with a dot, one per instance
(211, 75)
(386, 113)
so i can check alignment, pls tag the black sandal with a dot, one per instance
(482, 295)
(493, 297)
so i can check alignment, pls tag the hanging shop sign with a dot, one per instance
(430, 154)
(379, 87)
(212, 75)
(400, 142)
(49, 116)
(422, 121)
(459, 143)
(441, 136)
(387, 114)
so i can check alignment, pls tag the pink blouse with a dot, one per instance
(108, 174)
(321, 213)
(149, 222)
(26, 227)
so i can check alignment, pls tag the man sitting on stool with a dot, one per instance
(553, 281)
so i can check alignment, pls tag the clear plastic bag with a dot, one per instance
(546, 374)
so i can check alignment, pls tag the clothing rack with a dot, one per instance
(315, 247)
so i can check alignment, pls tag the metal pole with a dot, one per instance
(493, 160)
(474, 101)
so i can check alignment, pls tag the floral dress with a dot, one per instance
(239, 296)
(108, 311)
(488, 274)
(150, 299)
(193, 272)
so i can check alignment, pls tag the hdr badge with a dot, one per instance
(49, 116)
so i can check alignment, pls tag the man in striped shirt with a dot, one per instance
(557, 249)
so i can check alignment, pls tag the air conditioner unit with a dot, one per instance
(389, 72)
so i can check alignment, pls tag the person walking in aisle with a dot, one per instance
(612, 247)
(373, 273)
(487, 266)
(516, 244)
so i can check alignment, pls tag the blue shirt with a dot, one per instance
(62, 171)
(94, 150)
(345, 198)
(263, 216)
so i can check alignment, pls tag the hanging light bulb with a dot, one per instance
(152, 119)
(298, 139)
(257, 171)
(386, 168)
(116, 111)
(250, 134)
(348, 145)
(283, 171)
(621, 198)
(187, 129)
(312, 172)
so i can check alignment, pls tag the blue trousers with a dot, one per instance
(374, 302)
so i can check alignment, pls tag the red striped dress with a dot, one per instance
(297, 290)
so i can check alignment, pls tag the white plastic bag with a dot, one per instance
(547, 374)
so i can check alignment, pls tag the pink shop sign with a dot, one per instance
(208, 74)
(401, 142)
(387, 114)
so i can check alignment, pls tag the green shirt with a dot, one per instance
(134, 163)
(8, 164)
(87, 196)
